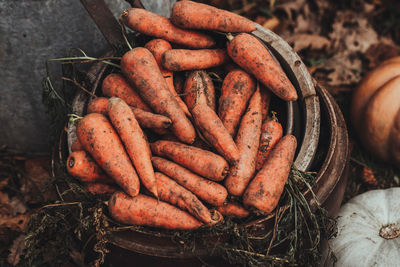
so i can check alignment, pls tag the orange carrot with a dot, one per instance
(145, 119)
(100, 189)
(192, 15)
(247, 140)
(145, 210)
(149, 23)
(271, 132)
(124, 121)
(233, 209)
(99, 138)
(265, 189)
(76, 145)
(211, 192)
(184, 59)
(237, 88)
(116, 85)
(214, 131)
(250, 54)
(265, 100)
(141, 69)
(200, 85)
(82, 166)
(202, 162)
(158, 47)
(171, 192)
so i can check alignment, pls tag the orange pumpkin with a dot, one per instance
(375, 111)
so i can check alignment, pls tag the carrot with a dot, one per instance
(149, 23)
(233, 209)
(192, 15)
(141, 69)
(265, 100)
(202, 162)
(76, 145)
(158, 47)
(124, 121)
(250, 54)
(100, 189)
(211, 192)
(200, 85)
(171, 192)
(185, 59)
(271, 132)
(247, 140)
(99, 138)
(145, 119)
(237, 88)
(214, 131)
(116, 85)
(265, 189)
(145, 210)
(82, 166)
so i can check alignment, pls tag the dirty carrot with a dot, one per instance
(158, 47)
(76, 145)
(250, 54)
(271, 132)
(265, 189)
(185, 59)
(179, 82)
(237, 88)
(171, 192)
(145, 119)
(100, 189)
(82, 166)
(200, 85)
(152, 24)
(124, 121)
(145, 210)
(141, 69)
(192, 15)
(247, 140)
(99, 138)
(265, 100)
(209, 191)
(234, 210)
(116, 85)
(202, 162)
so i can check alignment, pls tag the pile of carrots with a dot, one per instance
(210, 156)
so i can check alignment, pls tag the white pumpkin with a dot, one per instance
(368, 231)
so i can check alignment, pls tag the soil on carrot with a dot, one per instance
(47, 218)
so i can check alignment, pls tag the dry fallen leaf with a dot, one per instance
(379, 52)
(16, 250)
(369, 177)
(312, 41)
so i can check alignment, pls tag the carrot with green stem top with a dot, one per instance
(211, 192)
(265, 189)
(171, 192)
(116, 85)
(145, 210)
(158, 47)
(152, 24)
(82, 166)
(247, 140)
(185, 59)
(250, 54)
(237, 88)
(271, 132)
(99, 138)
(141, 69)
(124, 121)
(202, 162)
(192, 15)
